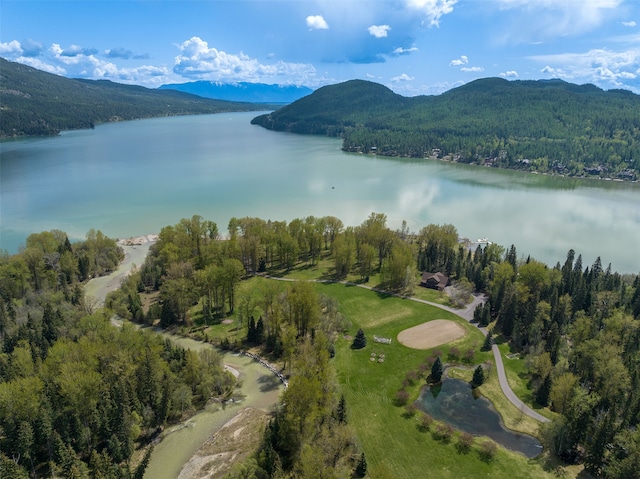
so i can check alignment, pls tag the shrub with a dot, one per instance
(425, 422)
(410, 410)
(488, 451)
(402, 397)
(412, 377)
(444, 432)
(454, 353)
(468, 356)
(465, 441)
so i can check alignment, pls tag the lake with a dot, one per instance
(133, 178)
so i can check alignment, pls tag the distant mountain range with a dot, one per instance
(547, 126)
(34, 102)
(249, 92)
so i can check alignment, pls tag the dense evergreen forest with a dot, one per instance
(34, 102)
(542, 126)
(78, 396)
(578, 325)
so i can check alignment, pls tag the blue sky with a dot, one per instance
(412, 46)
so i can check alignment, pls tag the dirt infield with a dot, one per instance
(431, 334)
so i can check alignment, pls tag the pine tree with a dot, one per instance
(251, 331)
(341, 411)
(361, 467)
(544, 391)
(260, 331)
(436, 370)
(360, 341)
(478, 376)
(488, 342)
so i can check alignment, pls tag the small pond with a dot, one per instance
(453, 402)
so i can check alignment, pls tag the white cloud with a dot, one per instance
(463, 60)
(402, 78)
(629, 24)
(603, 67)
(556, 73)
(198, 60)
(509, 74)
(404, 51)
(433, 10)
(472, 69)
(41, 65)
(379, 31)
(317, 22)
(535, 20)
(11, 48)
(79, 62)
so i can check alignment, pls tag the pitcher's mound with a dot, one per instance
(431, 334)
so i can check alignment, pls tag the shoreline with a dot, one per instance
(135, 250)
(137, 240)
(551, 174)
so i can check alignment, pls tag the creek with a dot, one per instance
(259, 388)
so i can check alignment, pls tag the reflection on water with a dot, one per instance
(134, 178)
(453, 402)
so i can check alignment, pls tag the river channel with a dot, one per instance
(259, 387)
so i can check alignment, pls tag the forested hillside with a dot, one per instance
(33, 102)
(543, 126)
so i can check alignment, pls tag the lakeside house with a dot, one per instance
(434, 280)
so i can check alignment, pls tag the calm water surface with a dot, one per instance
(454, 403)
(133, 178)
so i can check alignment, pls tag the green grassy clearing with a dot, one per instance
(432, 295)
(394, 444)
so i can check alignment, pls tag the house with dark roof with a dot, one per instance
(434, 280)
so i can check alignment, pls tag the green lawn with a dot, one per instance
(394, 445)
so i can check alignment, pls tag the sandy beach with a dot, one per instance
(135, 252)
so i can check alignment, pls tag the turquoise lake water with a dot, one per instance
(133, 178)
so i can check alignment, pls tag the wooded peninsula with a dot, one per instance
(545, 126)
(82, 398)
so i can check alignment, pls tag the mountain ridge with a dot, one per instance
(533, 125)
(38, 103)
(242, 91)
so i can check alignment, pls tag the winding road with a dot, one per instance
(467, 315)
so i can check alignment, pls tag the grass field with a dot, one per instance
(394, 444)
